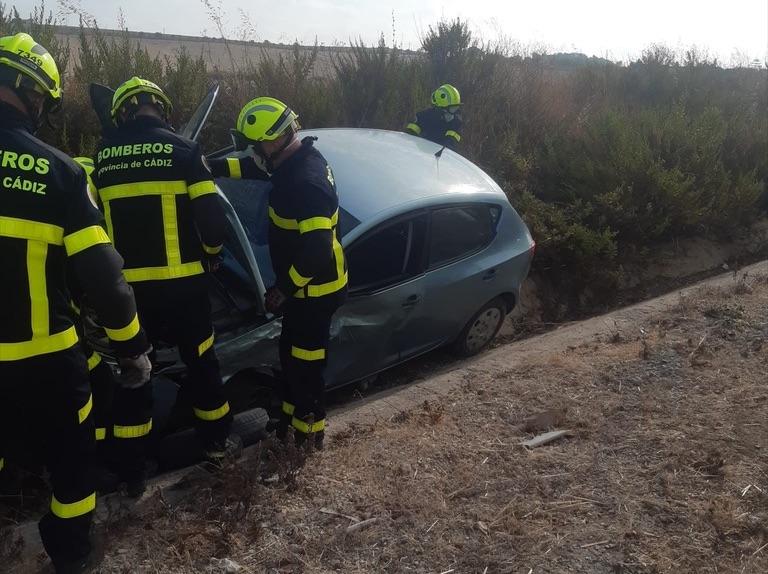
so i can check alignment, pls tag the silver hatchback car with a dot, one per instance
(436, 257)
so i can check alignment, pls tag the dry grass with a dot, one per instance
(666, 470)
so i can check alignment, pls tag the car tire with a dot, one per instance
(481, 329)
(251, 425)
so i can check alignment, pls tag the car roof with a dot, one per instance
(384, 171)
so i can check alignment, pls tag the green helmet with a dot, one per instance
(26, 64)
(136, 92)
(263, 119)
(446, 96)
(86, 163)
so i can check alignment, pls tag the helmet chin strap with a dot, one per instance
(270, 159)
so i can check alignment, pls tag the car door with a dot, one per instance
(460, 275)
(386, 284)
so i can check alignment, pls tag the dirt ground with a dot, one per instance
(666, 469)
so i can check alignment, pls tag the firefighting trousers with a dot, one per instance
(53, 391)
(175, 312)
(103, 383)
(303, 357)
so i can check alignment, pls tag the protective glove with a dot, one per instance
(135, 371)
(274, 300)
(212, 263)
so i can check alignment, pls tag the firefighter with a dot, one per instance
(307, 257)
(164, 217)
(48, 223)
(442, 122)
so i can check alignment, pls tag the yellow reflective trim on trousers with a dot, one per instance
(212, 250)
(288, 408)
(454, 135)
(132, 431)
(93, 361)
(73, 509)
(36, 347)
(281, 222)
(233, 164)
(171, 231)
(305, 428)
(37, 255)
(415, 128)
(201, 188)
(307, 354)
(127, 190)
(84, 411)
(125, 333)
(163, 273)
(31, 230)
(213, 415)
(205, 345)
(85, 238)
(101, 433)
(298, 279)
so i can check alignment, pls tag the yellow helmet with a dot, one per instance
(263, 119)
(138, 91)
(86, 163)
(26, 64)
(446, 96)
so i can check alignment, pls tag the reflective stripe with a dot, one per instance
(126, 333)
(205, 345)
(233, 164)
(133, 431)
(213, 415)
(85, 238)
(315, 223)
(35, 347)
(171, 231)
(298, 279)
(2, 463)
(37, 255)
(83, 413)
(288, 408)
(324, 288)
(101, 433)
(201, 188)
(93, 361)
(212, 250)
(415, 128)
(108, 220)
(454, 135)
(73, 509)
(305, 428)
(308, 355)
(127, 190)
(162, 273)
(31, 230)
(281, 222)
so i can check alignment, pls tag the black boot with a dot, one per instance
(219, 452)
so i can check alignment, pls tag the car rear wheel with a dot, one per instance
(481, 328)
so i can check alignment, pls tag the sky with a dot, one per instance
(617, 29)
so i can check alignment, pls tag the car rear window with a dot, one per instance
(459, 231)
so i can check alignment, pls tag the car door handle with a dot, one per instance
(411, 301)
(490, 274)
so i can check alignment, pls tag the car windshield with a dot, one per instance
(249, 199)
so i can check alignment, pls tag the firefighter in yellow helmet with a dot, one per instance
(165, 218)
(307, 257)
(49, 224)
(442, 122)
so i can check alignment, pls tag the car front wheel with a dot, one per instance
(481, 329)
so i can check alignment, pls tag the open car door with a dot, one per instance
(197, 121)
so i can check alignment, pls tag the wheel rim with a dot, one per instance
(483, 329)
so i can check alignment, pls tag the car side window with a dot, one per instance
(459, 231)
(390, 254)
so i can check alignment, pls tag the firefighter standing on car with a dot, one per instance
(307, 257)
(442, 122)
(164, 217)
(48, 223)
